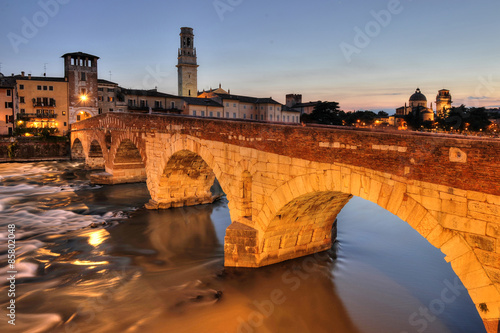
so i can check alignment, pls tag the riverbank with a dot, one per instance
(33, 149)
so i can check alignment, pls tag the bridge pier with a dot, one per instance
(303, 226)
(125, 173)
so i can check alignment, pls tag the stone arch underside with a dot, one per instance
(77, 151)
(124, 162)
(186, 180)
(95, 158)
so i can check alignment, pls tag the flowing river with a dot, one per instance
(92, 259)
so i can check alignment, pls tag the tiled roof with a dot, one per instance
(101, 81)
(39, 78)
(304, 105)
(201, 101)
(151, 93)
(80, 54)
(288, 109)
(247, 99)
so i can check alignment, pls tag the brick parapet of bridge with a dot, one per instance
(453, 160)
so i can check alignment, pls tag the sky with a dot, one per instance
(363, 54)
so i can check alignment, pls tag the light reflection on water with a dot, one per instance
(136, 270)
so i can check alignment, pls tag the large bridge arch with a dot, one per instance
(305, 197)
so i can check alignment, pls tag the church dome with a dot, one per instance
(418, 96)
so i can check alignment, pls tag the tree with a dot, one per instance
(325, 113)
(382, 114)
(478, 119)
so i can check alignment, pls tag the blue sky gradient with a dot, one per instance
(271, 48)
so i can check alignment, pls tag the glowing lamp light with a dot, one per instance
(83, 98)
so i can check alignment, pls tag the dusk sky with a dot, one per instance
(364, 54)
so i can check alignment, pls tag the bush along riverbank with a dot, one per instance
(20, 149)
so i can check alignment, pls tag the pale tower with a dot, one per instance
(187, 68)
(443, 102)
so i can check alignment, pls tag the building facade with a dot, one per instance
(6, 106)
(41, 103)
(251, 108)
(106, 97)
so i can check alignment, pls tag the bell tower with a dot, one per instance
(187, 68)
(443, 102)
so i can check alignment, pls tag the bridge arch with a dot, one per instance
(307, 194)
(185, 161)
(95, 158)
(126, 161)
(77, 150)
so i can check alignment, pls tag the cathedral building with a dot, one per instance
(417, 104)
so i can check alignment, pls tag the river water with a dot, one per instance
(92, 259)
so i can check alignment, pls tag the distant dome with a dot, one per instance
(418, 96)
(1, 75)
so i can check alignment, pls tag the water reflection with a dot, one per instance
(183, 233)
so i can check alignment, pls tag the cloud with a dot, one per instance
(475, 97)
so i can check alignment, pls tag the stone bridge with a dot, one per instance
(285, 184)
